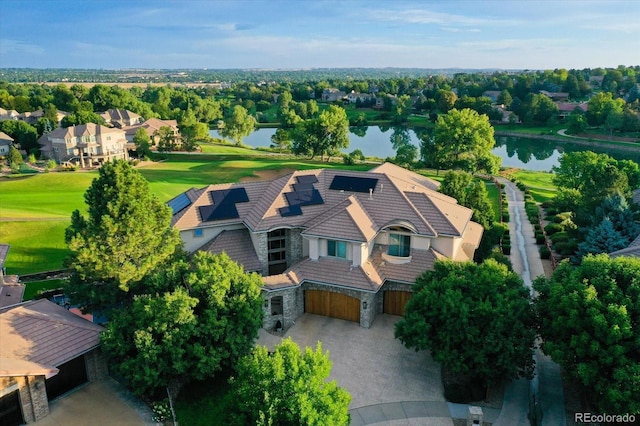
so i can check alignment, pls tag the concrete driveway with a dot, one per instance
(386, 380)
(97, 403)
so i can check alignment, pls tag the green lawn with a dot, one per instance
(539, 183)
(32, 288)
(34, 211)
(494, 198)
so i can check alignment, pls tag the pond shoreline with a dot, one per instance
(583, 141)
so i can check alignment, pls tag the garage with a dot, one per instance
(330, 304)
(71, 375)
(10, 411)
(394, 301)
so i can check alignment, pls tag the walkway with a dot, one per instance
(547, 383)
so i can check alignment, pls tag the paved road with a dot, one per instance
(547, 384)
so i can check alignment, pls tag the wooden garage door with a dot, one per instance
(331, 304)
(394, 301)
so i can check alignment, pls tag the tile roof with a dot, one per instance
(4, 250)
(43, 334)
(633, 250)
(238, 245)
(80, 130)
(11, 291)
(413, 197)
(5, 138)
(340, 272)
(347, 221)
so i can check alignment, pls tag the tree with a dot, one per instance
(81, 117)
(475, 319)
(504, 98)
(594, 177)
(207, 317)
(446, 100)
(238, 125)
(166, 138)
(602, 238)
(287, 387)
(322, 135)
(401, 110)
(142, 141)
(406, 152)
(577, 123)
(601, 105)
(14, 159)
(463, 139)
(281, 140)
(125, 235)
(589, 325)
(24, 135)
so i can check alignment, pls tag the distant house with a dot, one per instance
(332, 95)
(596, 80)
(92, 144)
(121, 118)
(33, 117)
(9, 114)
(46, 351)
(5, 143)
(556, 96)
(151, 126)
(353, 97)
(338, 243)
(566, 108)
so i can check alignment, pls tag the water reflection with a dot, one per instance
(525, 153)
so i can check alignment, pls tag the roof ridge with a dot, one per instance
(44, 317)
(412, 206)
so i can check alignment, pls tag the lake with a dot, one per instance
(523, 153)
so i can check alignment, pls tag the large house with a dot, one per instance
(151, 126)
(45, 351)
(6, 142)
(339, 243)
(91, 143)
(121, 118)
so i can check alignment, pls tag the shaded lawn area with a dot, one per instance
(539, 183)
(494, 198)
(204, 403)
(32, 288)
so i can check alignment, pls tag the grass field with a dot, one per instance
(35, 210)
(494, 198)
(32, 288)
(539, 183)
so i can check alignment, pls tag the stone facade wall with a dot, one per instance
(294, 246)
(290, 308)
(261, 245)
(96, 365)
(33, 397)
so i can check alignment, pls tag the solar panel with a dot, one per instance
(302, 186)
(234, 195)
(179, 203)
(290, 211)
(218, 212)
(307, 179)
(354, 184)
(238, 195)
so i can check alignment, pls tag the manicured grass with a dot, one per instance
(37, 209)
(539, 183)
(494, 198)
(45, 195)
(32, 288)
(35, 245)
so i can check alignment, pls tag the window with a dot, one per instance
(337, 248)
(277, 251)
(399, 245)
(197, 233)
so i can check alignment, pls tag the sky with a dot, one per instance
(217, 34)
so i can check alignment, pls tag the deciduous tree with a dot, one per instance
(288, 387)
(206, 315)
(238, 125)
(142, 141)
(463, 139)
(475, 319)
(589, 325)
(324, 135)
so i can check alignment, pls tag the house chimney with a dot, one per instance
(371, 193)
